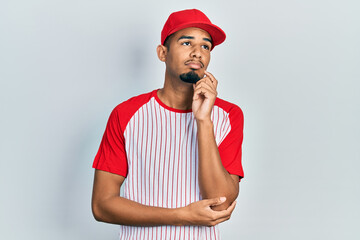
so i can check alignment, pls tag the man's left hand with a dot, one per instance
(204, 97)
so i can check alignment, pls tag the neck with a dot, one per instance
(176, 93)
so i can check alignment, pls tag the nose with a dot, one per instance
(196, 52)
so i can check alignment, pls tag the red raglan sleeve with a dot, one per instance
(111, 156)
(230, 148)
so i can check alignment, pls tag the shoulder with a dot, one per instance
(125, 110)
(230, 108)
(134, 103)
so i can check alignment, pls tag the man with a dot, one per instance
(175, 151)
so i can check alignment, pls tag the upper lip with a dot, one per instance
(195, 62)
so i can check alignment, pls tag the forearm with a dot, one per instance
(108, 206)
(119, 210)
(214, 180)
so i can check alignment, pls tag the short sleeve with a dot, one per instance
(230, 148)
(111, 156)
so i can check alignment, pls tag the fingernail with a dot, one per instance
(223, 199)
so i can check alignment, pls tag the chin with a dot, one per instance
(190, 77)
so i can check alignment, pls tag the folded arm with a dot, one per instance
(108, 206)
(214, 179)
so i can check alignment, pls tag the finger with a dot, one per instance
(203, 92)
(207, 81)
(214, 201)
(231, 207)
(204, 89)
(206, 85)
(220, 220)
(225, 213)
(213, 79)
(210, 75)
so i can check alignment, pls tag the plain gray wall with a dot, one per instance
(292, 66)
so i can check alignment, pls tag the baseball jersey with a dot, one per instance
(155, 148)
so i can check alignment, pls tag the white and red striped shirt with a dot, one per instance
(155, 148)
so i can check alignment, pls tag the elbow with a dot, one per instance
(97, 212)
(225, 205)
(230, 198)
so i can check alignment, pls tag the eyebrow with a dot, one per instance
(191, 37)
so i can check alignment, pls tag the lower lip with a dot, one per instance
(194, 66)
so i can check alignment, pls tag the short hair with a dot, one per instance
(167, 41)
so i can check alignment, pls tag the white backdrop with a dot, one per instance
(292, 66)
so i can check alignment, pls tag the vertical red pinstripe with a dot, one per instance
(152, 136)
(186, 160)
(178, 167)
(133, 170)
(136, 160)
(225, 133)
(161, 126)
(126, 182)
(139, 168)
(179, 173)
(147, 196)
(150, 156)
(217, 122)
(142, 233)
(223, 122)
(192, 144)
(173, 173)
(140, 176)
(191, 152)
(172, 189)
(121, 233)
(134, 232)
(128, 154)
(167, 199)
(224, 118)
(155, 159)
(132, 163)
(166, 134)
(196, 168)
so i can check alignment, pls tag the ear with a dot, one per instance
(161, 52)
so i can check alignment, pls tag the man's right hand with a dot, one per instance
(200, 213)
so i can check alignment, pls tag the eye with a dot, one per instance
(186, 43)
(206, 47)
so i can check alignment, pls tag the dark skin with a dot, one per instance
(189, 51)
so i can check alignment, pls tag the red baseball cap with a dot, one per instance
(192, 18)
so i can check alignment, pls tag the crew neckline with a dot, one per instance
(167, 107)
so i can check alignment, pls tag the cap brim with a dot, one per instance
(217, 34)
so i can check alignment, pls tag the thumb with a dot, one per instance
(216, 201)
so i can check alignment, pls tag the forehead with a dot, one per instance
(192, 31)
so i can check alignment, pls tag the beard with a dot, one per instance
(190, 77)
